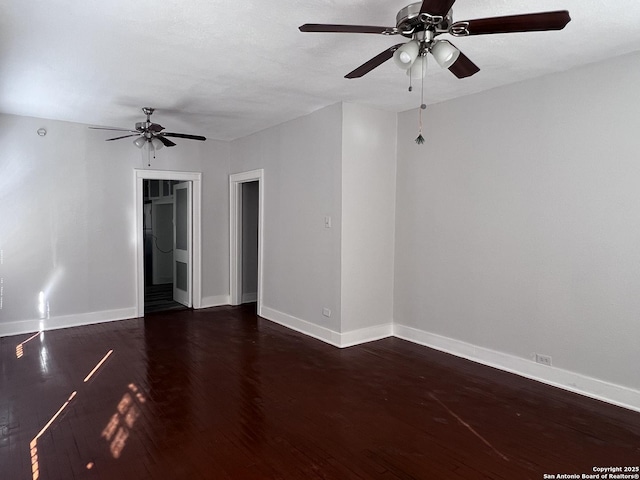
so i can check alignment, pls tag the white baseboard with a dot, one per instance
(364, 335)
(316, 331)
(567, 380)
(249, 297)
(215, 301)
(65, 321)
(337, 339)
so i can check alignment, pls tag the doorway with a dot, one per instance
(168, 206)
(249, 192)
(164, 243)
(246, 201)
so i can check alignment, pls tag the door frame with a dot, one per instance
(235, 233)
(196, 257)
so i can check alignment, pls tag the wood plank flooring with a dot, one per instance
(223, 394)
(159, 298)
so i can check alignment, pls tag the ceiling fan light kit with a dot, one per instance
(422, 22)
(406, 54)
(140, 142)
(419, 68)
(445, 53)
(150, 133)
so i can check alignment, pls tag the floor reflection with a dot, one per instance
(123, 420)
(251, 407)
(20, 346)
(33, 446)
(223, 394)
(169, 373)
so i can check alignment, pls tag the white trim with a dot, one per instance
(235, 234)
(196, 188)
(564, 379)
(214, 301)
(364, 335)
(65, 321)
(302, 326)
(571, 381)
(337, 339)
(574, 382)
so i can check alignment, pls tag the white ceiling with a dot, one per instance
(225, 69)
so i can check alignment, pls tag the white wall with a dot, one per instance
(517, 226)
(67, 221)
(368, 216)
(301, 161)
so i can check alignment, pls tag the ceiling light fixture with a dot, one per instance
(406, 55)
(419, 68)
(421, 22)
(444, 53)
(139, 142)
(157, 143)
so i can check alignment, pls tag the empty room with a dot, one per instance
(320, 240)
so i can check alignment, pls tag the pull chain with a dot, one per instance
(420, 139)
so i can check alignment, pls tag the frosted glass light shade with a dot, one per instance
(445, 53)
(404, 56)
(419, 68)
(157, 144)
(139, 142)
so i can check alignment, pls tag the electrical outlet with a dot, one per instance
(543, 359)
(326, 312)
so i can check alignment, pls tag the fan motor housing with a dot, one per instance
(409, 20)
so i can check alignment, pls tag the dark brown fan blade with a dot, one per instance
(530, 22)
(124, 136)
(154, 127)
(373, 63)
(463, 67)
(437, 7)
(182, 135)
(114, 129)
(165, 141)
(327, 28)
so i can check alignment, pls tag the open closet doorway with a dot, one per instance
(166, 228)
(246, 202)
(168, 240)
(249, 230)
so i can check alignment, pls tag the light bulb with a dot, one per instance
(404, 56)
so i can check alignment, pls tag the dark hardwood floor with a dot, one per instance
(223, 394)
(159, 298)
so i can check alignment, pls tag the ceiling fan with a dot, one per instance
(423, 21)
(148, 132)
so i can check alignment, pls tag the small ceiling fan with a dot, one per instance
(148, 132)
(423, 21)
